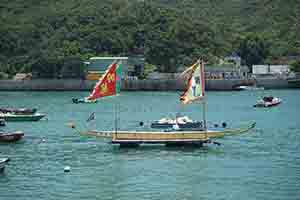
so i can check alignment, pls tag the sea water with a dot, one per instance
(262, 164)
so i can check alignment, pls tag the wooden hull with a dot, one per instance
(267, 105)
(141, 137)
(2, 167)
(19, 118)
(11, 137)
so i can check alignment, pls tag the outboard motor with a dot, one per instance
(74, 100)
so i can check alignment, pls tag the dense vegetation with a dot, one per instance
(295, 66)
(53, 38)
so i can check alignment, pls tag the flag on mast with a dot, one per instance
(109, 84)
(196, 83)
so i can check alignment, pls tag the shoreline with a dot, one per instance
(137, 85)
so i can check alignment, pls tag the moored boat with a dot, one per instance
(19, 111)
(268, 102)
(246, 87)
(3, 162)
(83, 100)
(19, 117)
(11, 137)
(168, 136)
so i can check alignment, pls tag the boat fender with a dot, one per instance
(141, 123)
(224, 124)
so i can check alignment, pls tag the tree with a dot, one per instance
(253, 50)
(295, 66)
(72, 67)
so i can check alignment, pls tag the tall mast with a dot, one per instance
(201, 62)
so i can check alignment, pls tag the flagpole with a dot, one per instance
(204, 98)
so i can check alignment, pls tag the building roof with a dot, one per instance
(102, 63)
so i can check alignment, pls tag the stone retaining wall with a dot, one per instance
(131, 85)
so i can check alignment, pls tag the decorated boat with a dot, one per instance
(11, 137)
(268, 102)
(21, 117)
(108, 85)
(3, 162)
(175, 136)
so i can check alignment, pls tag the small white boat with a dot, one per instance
(3, 162)
(245, 87)
(268, 102)
(24, 117)
(83, 100)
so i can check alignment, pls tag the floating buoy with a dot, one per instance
(67, 169)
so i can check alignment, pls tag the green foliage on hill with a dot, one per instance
(295, 67)
(46, 36)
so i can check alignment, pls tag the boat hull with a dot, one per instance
(266, 105)
(2, 167)
(21, 118)
(11, 137)
(79, 101)
(156, 137)
(3, 162)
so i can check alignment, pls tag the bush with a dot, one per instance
(295, 67)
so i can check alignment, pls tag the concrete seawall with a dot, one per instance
(131, 85)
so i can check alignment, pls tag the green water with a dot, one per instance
(263, 164)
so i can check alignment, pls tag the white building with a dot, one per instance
(270, 69)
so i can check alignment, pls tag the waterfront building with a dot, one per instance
(270, 70)
(226, 72)
(233, 59)
(132, 67)
(96, 66)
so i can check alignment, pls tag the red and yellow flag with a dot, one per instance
(106, 86)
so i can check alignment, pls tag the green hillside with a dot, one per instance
(54, 37)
